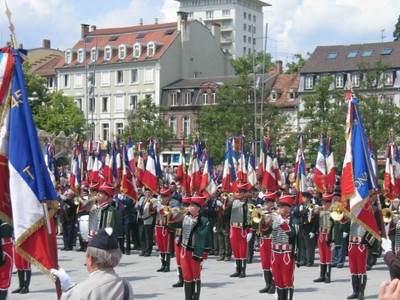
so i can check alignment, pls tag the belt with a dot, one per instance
(160, 223)
(236, 224)
(178, 231)
(6, 241)
(324, 230)
(282, 247)
(355, 239)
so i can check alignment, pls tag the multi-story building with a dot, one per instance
(109, 70)
(242, 28)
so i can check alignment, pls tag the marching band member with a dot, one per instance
(325, 241)
(283, 248)
(222, 226)
(240, 232)
(266, 240)
(6, 260)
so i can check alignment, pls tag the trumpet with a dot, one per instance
(314, 208)
(388, 215)
(257, 215)
(225, 196)
(337, 211)
(251, 207)
(174, 210)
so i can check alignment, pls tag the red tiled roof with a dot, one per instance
(128, 36)
(48, 69)
(283, 84)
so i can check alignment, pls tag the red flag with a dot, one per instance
(128, 182)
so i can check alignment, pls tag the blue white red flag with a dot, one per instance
(251, 165)
(131, 154)
(358, 181)
(300, 170)
(49, 158)
(390, 182)
(241, 164)
(140, 164)
(150, 175)
(97, 164)
(229, 179)
(76, 160)
(320, 167)
(29, 181)
(181, 174)
(194, 172)
(128, 181)
(90, 160)
(271, 172)
(261, 162)
(330, 165)
(207, 186)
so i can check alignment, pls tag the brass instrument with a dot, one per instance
(314, 208)
(225, 196)
(258, 215)
(337, 211)
(251, 207)
(174, 210)
(388, 215)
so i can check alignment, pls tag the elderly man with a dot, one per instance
(102, 255)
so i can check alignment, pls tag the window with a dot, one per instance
(204, 98)
(119, 128)
(91, 78)
(50, 82)
(93, 54)
(254, 41)
(119, 79)
(134, 76)
(244, 50)
(386, 51)
(136, 51)
(186, 99)
(148, 75)
(68, 56)
(352, 54)
(186, 126)
(213, 98)
(274, 96)
(190, 15)
(150, 49)
(133, 99)
(332, 55)
(174, 99)
(249, 17)
(122, 52)
(105, 78)
(78, 80)
(292, 95)
(355, 80)
(92, 105)
(104, 104)
(209, 14)
(105, 130)
(244, 15)
(244, 27)
(388, 78)
(66, 80)
(309, 84)
(367, 53)
(254, 18)
(244, 38)
(78, 103)
(148, 96)
(226, 12)
(339, 81)
(119, 103)
(249, 39)
(249, 27)
(107, 53)
(172, 124)
(80, 56)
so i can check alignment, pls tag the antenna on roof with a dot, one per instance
(382, 35)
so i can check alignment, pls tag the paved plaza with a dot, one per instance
(216, 283)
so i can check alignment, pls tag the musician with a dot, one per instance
(68, 218)
(104, 214)
(85, 203)
(267, 208)
(162, 233)
(6, 258)
(223, 211)
(240, 232)
(194, 242)
(253, 200)
(283, 248)
(325, 239)
(146, 218)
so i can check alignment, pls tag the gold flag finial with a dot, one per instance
(11, 26)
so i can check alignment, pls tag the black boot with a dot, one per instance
(285, 293)
(355, 285)
(196, 289)
(328, 273)
(322, 272)
(162, 263)
(243, 269)
(272, 287)
(167, 262)
(180, 280)
(362, 280)
(267, 279)
(3, 295)
(281, 295)
(21, 276)
(238, 268)
(27, 281)
(290, 293)
(188, 286)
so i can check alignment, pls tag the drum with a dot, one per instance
(84, 227)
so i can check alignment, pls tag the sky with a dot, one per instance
(294, 26)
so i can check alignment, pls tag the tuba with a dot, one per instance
(337, 211)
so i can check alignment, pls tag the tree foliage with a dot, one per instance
(250, 63)
(396, 32)
(146, 122)
(295, 66)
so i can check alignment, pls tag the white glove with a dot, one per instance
(311, 235)
(219, 203)
(301, 208)
(214, 229)
(386, 245)
(345, 234)
(278, 219)
(65, 280)
(249, 236)
(332, 246)
(159, 206)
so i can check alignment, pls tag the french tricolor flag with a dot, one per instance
(150, 176)
(320, 167)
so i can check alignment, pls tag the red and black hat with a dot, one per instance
(94, 185)
(327, 197)
(107, 189)
(198, 199)
(286, 199)
(243, 186)
(270, 196)
(187, 198)
(165, 191)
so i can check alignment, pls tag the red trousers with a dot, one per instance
(177, 249)
(325, 253)
(191, 268)
(6, 268)
(238, 237)
(283, 269)
(358, 259)
(265, 253)
(162, 236)
(20, 262)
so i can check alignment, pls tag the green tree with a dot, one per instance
(60, 114)
(295, 67)
(396, 32)
(248, 64)
(146, 122)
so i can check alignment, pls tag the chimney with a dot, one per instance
(46, 44)
(140, 21)
(84, 30)
(182, 18)
(93, 28)
(156, 21)
(216, 32)
(278, 64)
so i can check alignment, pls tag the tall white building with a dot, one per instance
(242, 26)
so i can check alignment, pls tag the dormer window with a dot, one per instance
(274, 96)
(80, 56)
(388, 78)
(93, 54)
(292, 94)
(137, 51)
(107, 53)
(151, 49)
(68, 56)
(122, 52)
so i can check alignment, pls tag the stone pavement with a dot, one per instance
(216, 283)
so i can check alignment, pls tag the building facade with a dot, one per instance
(242, 25)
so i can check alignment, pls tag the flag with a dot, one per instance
(358, 180)
(97, 164)
(390, 184)
(300, 170)
(330, 165)
(271, 169)
(50, 161)
(181, 174)
(372, 157)
(194, 172)
(207, 186)
(229, 179)
(29, 181)
(241, 164)
(251, 165)
(140, 163)
(75, 178)
(128, 181)
(90, 160)
(320, 167)
(131, 154)
(261, 163)
(150, 175)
